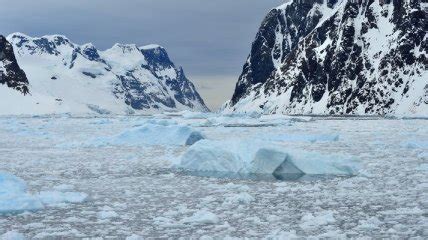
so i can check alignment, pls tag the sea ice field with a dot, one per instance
(206, 175)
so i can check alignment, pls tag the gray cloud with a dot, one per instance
(208, 38)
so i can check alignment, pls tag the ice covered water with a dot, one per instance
(130, 190)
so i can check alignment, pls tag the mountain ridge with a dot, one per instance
(122, 79)
(337, 57)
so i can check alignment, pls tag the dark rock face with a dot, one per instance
(337, 57)
(184, 90)
(10, 72)
(170, 88)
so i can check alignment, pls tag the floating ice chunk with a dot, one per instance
(167, 222)
(101, 121)
(281, 117)
(163, 122)
(135, 237)
(369, 224)
(239, 198)
(212, 156)
(12, 235)
(423, 167)
(57, 197)
(222, 158)
(202, 217)
(153, 134)
(107, 214)
(14, 196)
(195, 115)
(310, 221)
(416, 144)
(64, 187)
(278, 235)
(306, 138)
(228, 121)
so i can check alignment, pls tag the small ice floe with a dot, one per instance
(261, 159)
(59, 197)
(195, 115)
(243, 121)
(201, 217)
(416, 144)
(423, 167)
(238, 198)
(107, 213)
(12, 235)
(278, 235)
(372, 223)
(135, 237)
(14, 196)
(101, 121)
(305, 138)
(312, 221)
(152, 134)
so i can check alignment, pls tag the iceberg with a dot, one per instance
(14, 196)
(153, 134)
(242, 158)
(57, 197)
(201, 217)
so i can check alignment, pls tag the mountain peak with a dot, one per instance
(121, 79)
(150, 46)
(337, 57)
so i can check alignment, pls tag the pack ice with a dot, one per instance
(153, 133)
(253, 158)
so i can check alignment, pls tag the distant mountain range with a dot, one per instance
(59, 76)
(338, 57)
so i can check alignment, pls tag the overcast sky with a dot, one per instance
(209, 38)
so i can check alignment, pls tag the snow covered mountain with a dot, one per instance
(338, 57)
(11, 74)
(68, 78)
